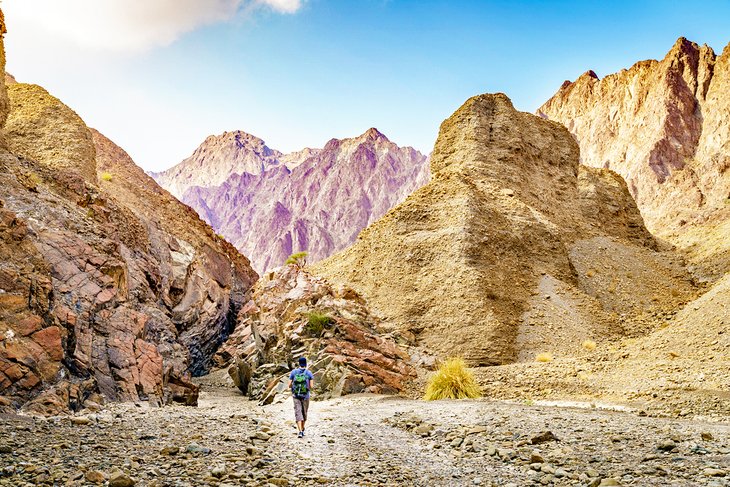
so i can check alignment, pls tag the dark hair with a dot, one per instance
(302, 362)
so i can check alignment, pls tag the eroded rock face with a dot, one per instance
(346, 349)
(663, 126)
(315, 200)
(481, 261)
(110, 289)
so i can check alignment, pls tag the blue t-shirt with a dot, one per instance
(302, 371)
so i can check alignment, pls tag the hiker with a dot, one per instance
(301, 382)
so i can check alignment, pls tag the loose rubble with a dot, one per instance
(362, 440)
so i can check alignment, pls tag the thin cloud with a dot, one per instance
(124, 25)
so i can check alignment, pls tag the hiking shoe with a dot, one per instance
(301, 434)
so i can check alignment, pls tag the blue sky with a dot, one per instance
(297, 73)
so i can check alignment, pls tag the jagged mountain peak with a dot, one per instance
(662, 126)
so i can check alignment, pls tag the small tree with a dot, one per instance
(298, 259)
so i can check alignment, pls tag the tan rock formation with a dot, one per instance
(347, 354)
(468, 262)
(663, 126)
(109, 288)
(42, 128)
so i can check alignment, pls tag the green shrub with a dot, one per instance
(316, 322)
(299, 259)
(452, 381)
(105, 176)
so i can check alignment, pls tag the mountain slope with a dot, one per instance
(320, 205)
(110, 289)
(507, 240)
(663, 125)
(217, 159)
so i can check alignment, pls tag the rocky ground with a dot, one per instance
(362, 440)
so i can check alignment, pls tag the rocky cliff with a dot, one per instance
(663, 126)
(109, 287)
(319, 205)
(512, 248)
(294, 314)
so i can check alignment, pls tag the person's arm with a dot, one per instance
(291, 378)
(311, 382)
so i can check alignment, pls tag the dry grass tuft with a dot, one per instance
(589, 345)
(544, 357)
(452, 381)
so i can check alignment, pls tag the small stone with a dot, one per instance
(543, 437)
(535, 457)
(95, 477)
(80, 420)
(707, 436)
(609, 481)
(195, 448)
(218, 471)
(170, 451)
(547, 469)
(6, 449)
(714, 472)
(120, 479)
(423, 430)
(667, 445)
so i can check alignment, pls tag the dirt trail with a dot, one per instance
(362, 440)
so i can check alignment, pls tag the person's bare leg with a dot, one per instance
(300, 425)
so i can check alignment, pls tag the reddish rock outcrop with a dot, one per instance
(315, 200)
(293, 314)
(663, 126)
(110, 289)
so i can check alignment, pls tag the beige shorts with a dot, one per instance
(300, 409)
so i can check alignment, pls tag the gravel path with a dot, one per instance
(362, 440)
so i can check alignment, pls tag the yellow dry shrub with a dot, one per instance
(544, 357)
(105, 176)
(452, 381)
(589, 345)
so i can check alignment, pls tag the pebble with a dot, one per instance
(95, 476)
(120, 479)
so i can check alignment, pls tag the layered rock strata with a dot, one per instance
(663, 126)
(506, 241)
(315, 200)
(110, 289)
(294, 314)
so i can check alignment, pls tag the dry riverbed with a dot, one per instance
(363, 440)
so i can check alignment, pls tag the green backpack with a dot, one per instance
(300, 385)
